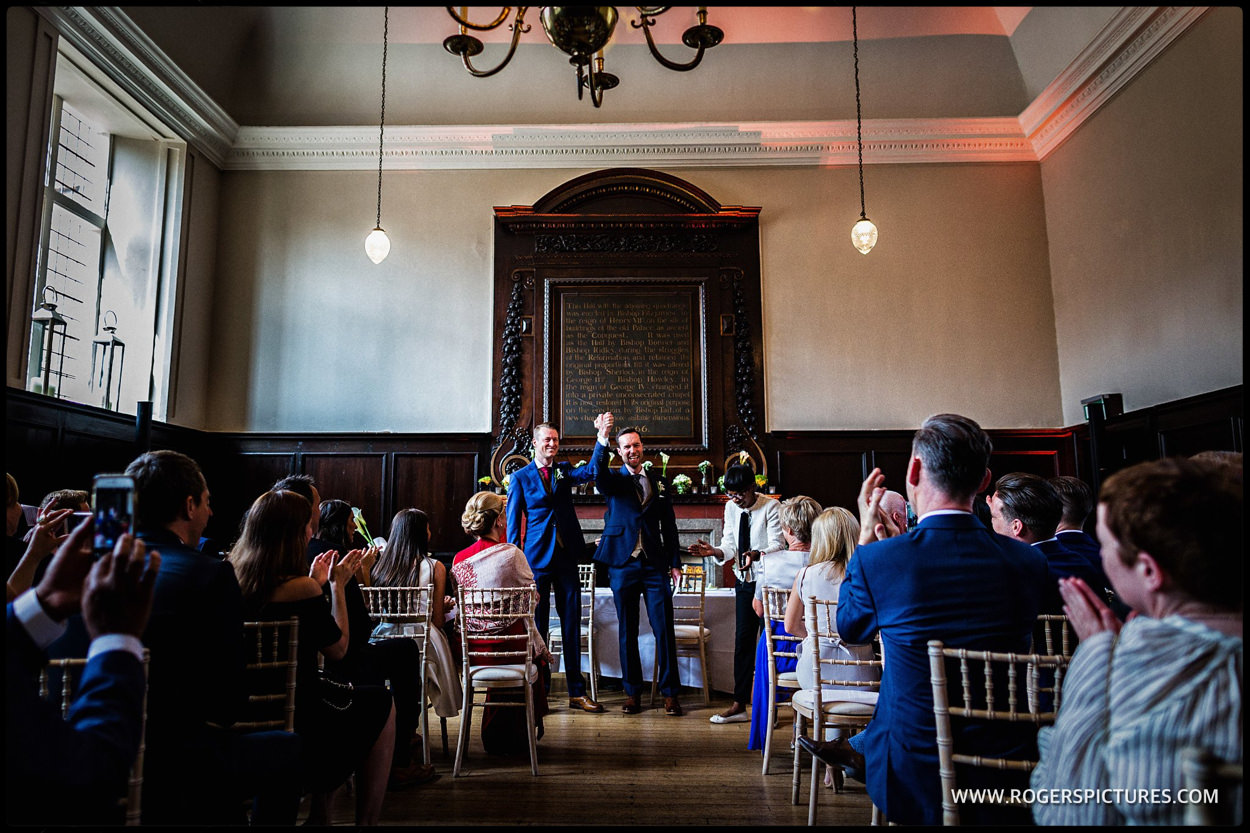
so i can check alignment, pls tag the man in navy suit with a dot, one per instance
(1027, 508)
(541, 494)
(72, 770)
(951, 579)
(639, 545)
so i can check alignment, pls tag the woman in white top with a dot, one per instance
(834, 535)
(405, 562)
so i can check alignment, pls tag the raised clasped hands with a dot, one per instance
(604, 423)
(1087, 613)
(874, 525)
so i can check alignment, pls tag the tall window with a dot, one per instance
(108, 241)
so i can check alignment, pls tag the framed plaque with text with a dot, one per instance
(632, 346)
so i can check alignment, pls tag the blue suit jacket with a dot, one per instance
(1062, 562)
(950, 579)
(63, 771)
(548, 511)
(1086, 546)
(626, 519)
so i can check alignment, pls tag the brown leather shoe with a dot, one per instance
(671, 707)
(585, 704)
(836, 752)
(631, 706)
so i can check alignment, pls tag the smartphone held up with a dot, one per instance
(112, 510)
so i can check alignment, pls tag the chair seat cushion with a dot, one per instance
(788, 677)
(846, 702)
(691, 632)
(500, 674)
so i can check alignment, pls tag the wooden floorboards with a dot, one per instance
(614, 769)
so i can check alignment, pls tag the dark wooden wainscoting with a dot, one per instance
(54, 445)
(829, 466)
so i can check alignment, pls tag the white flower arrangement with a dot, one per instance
(359, 519)
(682, 484)
(664, 468)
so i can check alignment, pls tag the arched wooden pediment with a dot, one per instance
(626, 191)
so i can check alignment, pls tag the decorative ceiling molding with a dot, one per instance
(577, 146)
(109, 38)
(1133, 38)
(1125, 46)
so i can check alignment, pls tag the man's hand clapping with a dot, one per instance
(874, 525)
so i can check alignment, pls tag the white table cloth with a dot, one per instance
(718, 615)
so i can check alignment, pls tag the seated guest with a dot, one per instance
(34, 553)
(1138, 694)
(72, 770)
(778, 569)
(345, 728)
(492, 562)
(834, 533)
(1027, 508)
(950, 578)
(1078, 502)
(398, 661)
(195, 767)
(406, 562)
(12, 522)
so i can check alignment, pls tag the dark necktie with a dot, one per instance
(744, 535)
(639, 482)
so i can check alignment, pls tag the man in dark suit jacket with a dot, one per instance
(1027, 508)
(72, 770)
(540, 493)
(950, 579)
(1078, 502)
(195, 768)
(639, 545)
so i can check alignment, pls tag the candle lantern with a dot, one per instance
(108, 355)
(51, 324)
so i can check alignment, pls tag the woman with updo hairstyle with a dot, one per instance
(406, 562)
(492, 562)
(343, 729)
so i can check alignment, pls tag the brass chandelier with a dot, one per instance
(581, 32)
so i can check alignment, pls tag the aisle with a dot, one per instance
(613, 769)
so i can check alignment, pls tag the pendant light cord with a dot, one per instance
(859, 126)
(386, 23)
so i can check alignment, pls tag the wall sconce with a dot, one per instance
(50, 322)
(108, 352)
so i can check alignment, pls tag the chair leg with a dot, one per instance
(878, 818)
(531, 725)
(425, 722)
(466, 718)
(768, 728)
(798, 761)
(815, 791)
(707, 697)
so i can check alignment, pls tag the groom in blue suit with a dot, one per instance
(639, 545)
(541, 493)
(950, 579)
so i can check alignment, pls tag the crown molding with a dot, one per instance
(1124, 47)
(831, 143)
(109, 38)
(1134, 37)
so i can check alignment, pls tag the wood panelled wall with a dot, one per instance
(53, 445)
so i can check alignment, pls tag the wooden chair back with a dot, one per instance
(270, 672)
(995, 687)
(60, 679)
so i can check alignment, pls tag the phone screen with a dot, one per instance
(113, 509)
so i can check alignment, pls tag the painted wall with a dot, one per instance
(1144, 207)
(308, 335)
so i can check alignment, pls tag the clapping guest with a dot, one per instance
(406, 562)
(779, 569)
(43, 540)
(71, 770)
(1137, 694)
(344, 728)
